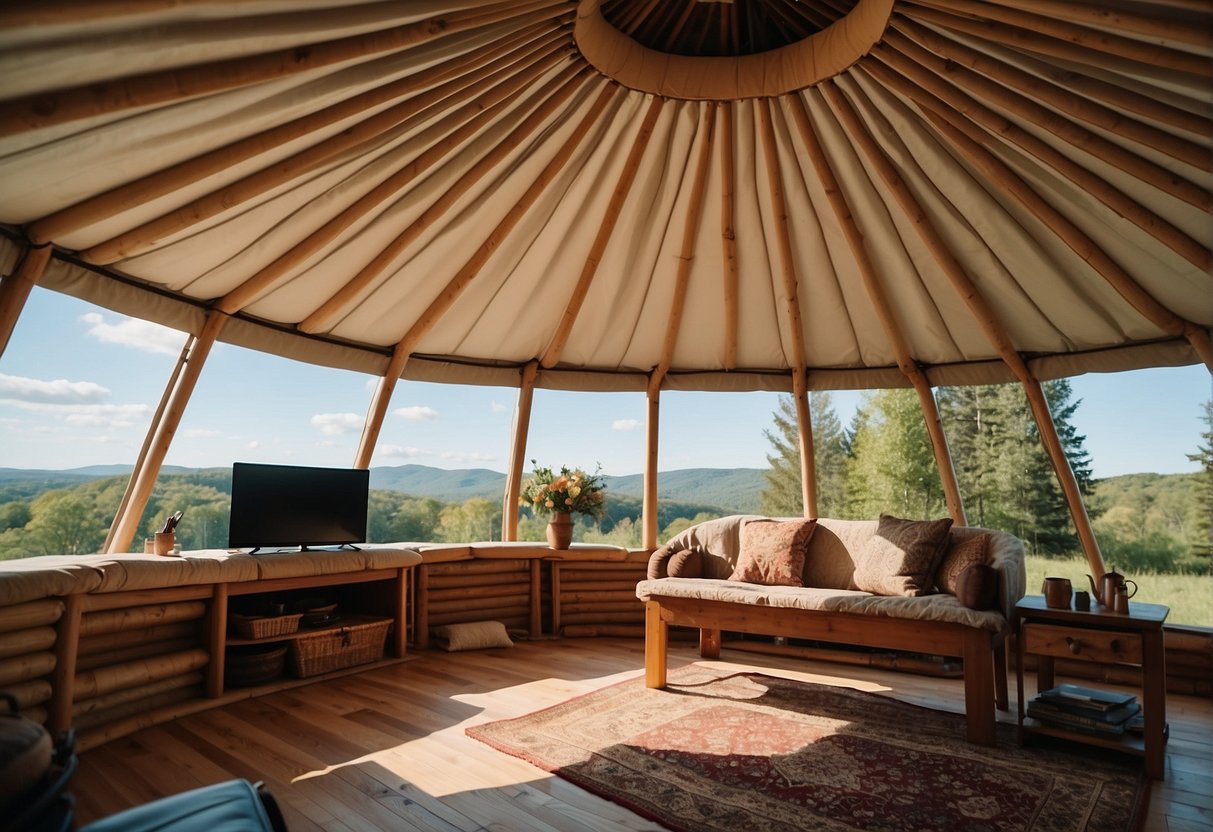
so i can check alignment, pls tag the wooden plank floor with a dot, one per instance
(386, 750)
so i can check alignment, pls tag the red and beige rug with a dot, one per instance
(765, 754)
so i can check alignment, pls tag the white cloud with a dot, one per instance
(59, 391)
(132, 332)
(253, 445)
(199, 433)
(416, 413)
(398, 452)
(625, 424)
(497, 407)
(336, 424)
(462, 456)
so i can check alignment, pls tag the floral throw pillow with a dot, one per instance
(773, 552)
(902, 556)
(960, 556)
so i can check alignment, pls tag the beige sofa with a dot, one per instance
(829, 608)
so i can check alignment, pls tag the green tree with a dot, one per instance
(64, 523)
(892, 469)
(1202, 544)
(14, 515)
(473, 519)
(782, 495)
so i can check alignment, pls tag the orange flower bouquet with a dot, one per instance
(570, 491)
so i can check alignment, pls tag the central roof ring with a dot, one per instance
(786, 69)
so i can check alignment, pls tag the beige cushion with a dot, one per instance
(901, 558)
(959, 556)
(773, 552)
(471, 635)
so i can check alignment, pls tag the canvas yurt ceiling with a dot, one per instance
(719, 193)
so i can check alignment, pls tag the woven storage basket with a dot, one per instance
(356, 642)
(252, 626)
(253, 664)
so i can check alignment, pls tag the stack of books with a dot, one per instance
(1086, 710)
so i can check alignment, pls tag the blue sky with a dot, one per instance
(78, 385)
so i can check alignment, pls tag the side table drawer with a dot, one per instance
(1086, 645)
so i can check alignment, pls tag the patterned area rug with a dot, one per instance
(753, 752)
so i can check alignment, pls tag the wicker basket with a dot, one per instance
(253, 664)
(356, 642)
(255, 626)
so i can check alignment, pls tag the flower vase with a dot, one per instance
(560, 530)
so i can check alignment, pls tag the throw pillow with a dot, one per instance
(773, 552)
(960, 556)
(659, 561)
(977, 587)
(471, 635)
(686, 564)
(902, 556)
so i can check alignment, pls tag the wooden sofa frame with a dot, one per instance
(983, 651)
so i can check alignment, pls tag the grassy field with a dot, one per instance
(1190, 597)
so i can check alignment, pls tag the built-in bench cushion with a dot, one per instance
(332, 562)
(925, 608)
(30, 579)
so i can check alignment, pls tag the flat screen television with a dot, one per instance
(293, 505)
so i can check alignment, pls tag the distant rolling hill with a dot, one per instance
(731, 489)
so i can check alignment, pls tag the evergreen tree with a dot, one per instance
(782, 495)
(1203, 544)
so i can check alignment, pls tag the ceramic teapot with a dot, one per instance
(1109, 582)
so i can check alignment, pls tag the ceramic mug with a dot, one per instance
(1057, 592)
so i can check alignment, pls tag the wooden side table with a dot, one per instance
(1098, 635)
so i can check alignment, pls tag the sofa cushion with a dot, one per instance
(902, 556)
(977, 587)
(773, 552)
(959, 556)
(686, 564)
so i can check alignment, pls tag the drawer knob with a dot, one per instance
(1074, 644)
(1115, 645)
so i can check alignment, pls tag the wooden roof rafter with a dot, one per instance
(379, 128)
(539, 106)
(922, 83)
(878, 297)
(1089, 110)
(560, 337)
(980, 308)
(730, 281)
(440, 140)
(41, 110)
(425, 88)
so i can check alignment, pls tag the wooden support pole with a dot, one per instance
(808, 462)
(522, 427)
(216, 629)
(127, 523)
(153, 426)
(378, 409)
(652, 433)
(63, 678)
(16, 287)
(626, 178)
